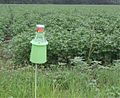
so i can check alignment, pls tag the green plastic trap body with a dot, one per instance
(39, 49)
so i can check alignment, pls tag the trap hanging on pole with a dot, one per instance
(39, 47)
(38, 53)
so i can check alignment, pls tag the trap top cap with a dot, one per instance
(40, 28)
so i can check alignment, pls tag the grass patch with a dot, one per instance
(61, 83)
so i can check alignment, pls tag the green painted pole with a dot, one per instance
(36, 81)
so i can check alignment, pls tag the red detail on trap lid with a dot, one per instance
(40, 29)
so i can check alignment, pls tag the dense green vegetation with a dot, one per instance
(60, 1)
(91, 32)
(83, 51)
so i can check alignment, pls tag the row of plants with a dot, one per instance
(75, 33)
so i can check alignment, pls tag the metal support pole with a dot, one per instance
(36, 81)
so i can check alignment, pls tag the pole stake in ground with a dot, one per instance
(38, 51)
